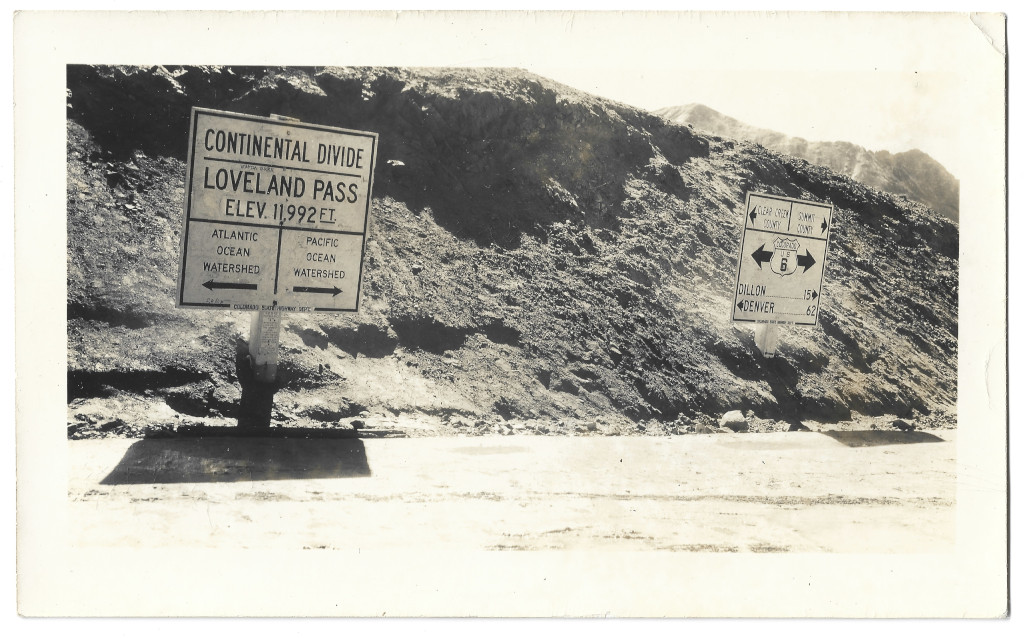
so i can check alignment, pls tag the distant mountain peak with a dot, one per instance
(912, 173)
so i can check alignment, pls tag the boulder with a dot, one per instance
(900, 424)
(734, 420)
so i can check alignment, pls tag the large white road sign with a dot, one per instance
(782, 260)
(275, 214)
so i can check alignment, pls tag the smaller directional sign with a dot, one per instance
(782, 260)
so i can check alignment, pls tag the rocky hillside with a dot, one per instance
(538, 258)
(912, 173)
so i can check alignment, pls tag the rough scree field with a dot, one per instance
(539, 260)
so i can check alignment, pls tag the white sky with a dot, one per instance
(878, 80)
(881, 82)
(875, 109)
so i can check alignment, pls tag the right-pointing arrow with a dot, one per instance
(805, 260)
(325, 291)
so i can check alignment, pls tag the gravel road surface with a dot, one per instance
(861, 491)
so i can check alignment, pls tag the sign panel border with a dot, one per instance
(179, 296)
(742, 252)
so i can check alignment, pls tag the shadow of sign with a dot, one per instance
(869, 438)
(219, 460)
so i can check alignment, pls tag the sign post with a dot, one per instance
(264, 344)
(781, 265)
(276, 214)
(766, 338)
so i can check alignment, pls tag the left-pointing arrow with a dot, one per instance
(212, 285)
(761, 255)
(326, 291)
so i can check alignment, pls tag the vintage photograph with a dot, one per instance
(515, 310)
(541, 296)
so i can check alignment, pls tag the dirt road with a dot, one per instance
(776, 492)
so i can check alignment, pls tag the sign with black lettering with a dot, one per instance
(782, 260)
(275, 214)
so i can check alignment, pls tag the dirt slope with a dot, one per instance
(913, 173)
(538, 257)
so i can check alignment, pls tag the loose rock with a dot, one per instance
(734, 420)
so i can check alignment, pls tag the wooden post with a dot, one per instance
(264, 344)
(265, 330)
(766, 338)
